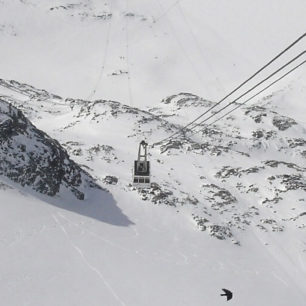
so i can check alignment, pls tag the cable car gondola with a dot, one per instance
(141, 171)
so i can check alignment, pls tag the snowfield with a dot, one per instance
(140, 52)
(227, 209)
(227, 206)
(53, 256)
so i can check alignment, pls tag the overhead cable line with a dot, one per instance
(182, 47)
(197, 43)
(237, 88)
(167, 10)
(248, 91)
(127, 38)
(258, 93)
(105, 55)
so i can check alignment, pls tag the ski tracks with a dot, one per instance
(164, 258)
(93, 234)
(87, 263)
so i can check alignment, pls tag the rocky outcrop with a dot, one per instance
(28, 90)
(186, 99)
(283, 123)
(31, 158)
(239, 171)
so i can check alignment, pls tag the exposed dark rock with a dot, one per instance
(260, 226)
(214, 150)
(119, 72)
(28, 90)
(292, 182)
(296, 142)
(81, 10)
(276, 163)
(275, 227)
(258, 134)
(228, 171)
(111, 180)
(191, 200)
(303, 214)
(206, 200)
(254, 169)
(31, 158)
(217, 196)
(172, 144)
(187, 99)
(283, 123)
(252, 188)
(256, 112)
(201, 222)
(219, 231)
(103, 16)
(73, 148)
(104, 152)
(158, 195)
(303, 153)
(275, 200)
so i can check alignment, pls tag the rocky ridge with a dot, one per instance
(243, 172)
(31, 158)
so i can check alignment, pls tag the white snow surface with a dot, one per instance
(138, 51)
(117, 247)
(51, 256)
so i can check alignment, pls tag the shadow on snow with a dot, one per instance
(98, 204)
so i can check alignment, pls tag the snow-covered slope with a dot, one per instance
(31, 158)
(226, 208)
(139, 52)
(227, 205)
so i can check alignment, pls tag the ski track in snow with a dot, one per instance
(88, 264)
(157, 258)
(185, 258)
(94, 234)
(105, 55)
(279, 263)
(195, 49)
(280, 279)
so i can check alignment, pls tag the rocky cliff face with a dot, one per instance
(31, 158)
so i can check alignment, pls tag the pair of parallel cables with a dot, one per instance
(106, 52)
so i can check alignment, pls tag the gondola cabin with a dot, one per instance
(141, 171)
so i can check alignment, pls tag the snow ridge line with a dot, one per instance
(250, 90)
(88, 264)
(239, 105)
(240, 86)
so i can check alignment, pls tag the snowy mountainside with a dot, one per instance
(248, 165)
(121, 50)
(226, 208)
(228, 201)
(248, 171)
(30, 158)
